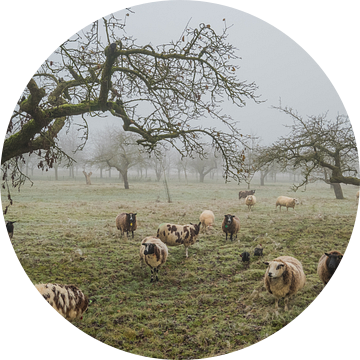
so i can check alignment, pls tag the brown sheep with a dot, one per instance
(284, 277)
(244, 193)
(154, 253)
(67, 300)
(286, 201)
(126, 222)
(327, 265)
(231, 225)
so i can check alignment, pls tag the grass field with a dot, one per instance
(202, 306)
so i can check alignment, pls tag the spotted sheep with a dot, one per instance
(207, 219)
(175, 235)
(327, 265)
(244, 193)
(230, 225)
(68, 300)
(284, 277)
(126, 222)
(286, 201)
(154, 253)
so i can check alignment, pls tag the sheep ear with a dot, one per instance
(135, 213)
(327, 254)
(232, 216)
(266, 263)
(199, 223)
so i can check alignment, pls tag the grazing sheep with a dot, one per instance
(67, 300)
(250, 201)
(10, 228)
(286, 201)
(244, 193)
(258, 250)
(245, 256)
(126, 222)
(174, 235)
(207, 219)
(328, 263)
(154, 253)
(231, 225)
(284, 277)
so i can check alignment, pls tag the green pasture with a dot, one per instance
(207, 305)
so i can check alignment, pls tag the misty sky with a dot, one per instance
(281, 68)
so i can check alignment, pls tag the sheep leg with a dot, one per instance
(286, 301)
(152, 273)
(231, 237)
(157, 272)
(276, 303)
(132, 234)
(226, 236)
(186, 252)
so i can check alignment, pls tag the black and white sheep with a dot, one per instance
(154, 253)
(286, 201)
(126, 222)
(67, 300)
(207, 219)
(284, 277)
(174, 235)
(327, 265)
(244, 193)
(10, 228)
(230, 225)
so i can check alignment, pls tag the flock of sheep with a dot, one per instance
(284, 276)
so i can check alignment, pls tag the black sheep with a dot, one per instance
(10, 228)
(245, 256)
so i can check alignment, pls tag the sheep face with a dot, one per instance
(296, 201)
(245, 256)
(149, 249)
(276, 269)
(333, 262)
(228, 219)
(131, 218)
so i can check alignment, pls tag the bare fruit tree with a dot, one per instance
(158, 93)
(313, 144)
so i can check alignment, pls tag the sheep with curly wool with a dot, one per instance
(286, 201)
(284, 277)
(230, 225)
(327, 265)
(174, 235)
(250, 201)
(207, 219)
(154, 253)
(67, 300)
(126, 222)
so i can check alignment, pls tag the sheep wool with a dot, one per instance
(230, 225)
(174, 235)
(250, 201)
(154, 253)
(207, 219)
(284, 277)
(126, 222)
(67, 300)
(327, 265)
(286, 201)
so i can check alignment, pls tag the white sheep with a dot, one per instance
(284, 277)
(250, 201)
(327, 265)
(286, 201)
(154, 253)
(207, 219)
(67, 300)
(230, 225)
(174, 235)
(126, 222)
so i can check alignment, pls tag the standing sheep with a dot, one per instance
(126, 222)
(328, 263)
(250, 201)
(231, 225)
(10, 228)
(284, 277)
(67, 300)
(174, 235)
(207, 219)
(244, 193)
(154, 253)
(286, 201)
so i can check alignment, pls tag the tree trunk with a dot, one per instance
(56, 172)
(87, 177)
(124, 175)
(338, 191)
(202, 176)
(262, 178)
